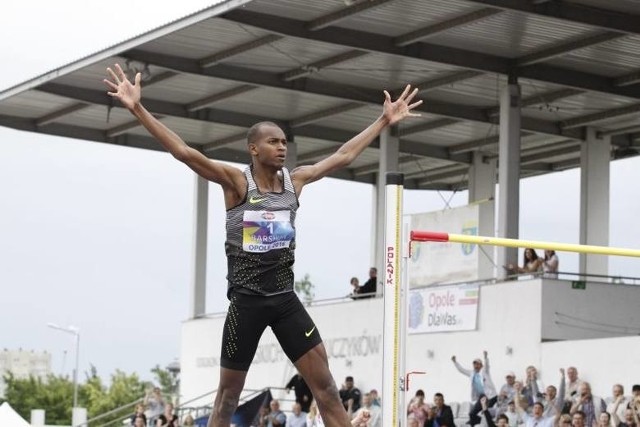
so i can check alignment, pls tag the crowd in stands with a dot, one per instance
(369, 289)
(155, 411)
(518, 402)
(534, 264)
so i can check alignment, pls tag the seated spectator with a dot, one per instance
(275, 417)
(297, 418)
(442, 414)
(314, 419)
(502, 420)
(412, 422)
(375, 399)
(355, 285)
(604, 420)
(418, 407)
(350, 396)
(375, 414)
(578, 419)
(368, 290)
(513, 415)
(139, 421)
(631, 419)
(139, 412)
(531, 263)
(591, 406)
(167, 418)
(564, 420)
(550, 264)
(618, 402)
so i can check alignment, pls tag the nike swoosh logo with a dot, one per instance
(252, 200)
(308, 334)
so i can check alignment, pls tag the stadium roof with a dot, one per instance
(319, 67)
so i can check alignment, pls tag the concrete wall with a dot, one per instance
(512, 318)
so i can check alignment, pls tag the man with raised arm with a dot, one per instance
(261, 204)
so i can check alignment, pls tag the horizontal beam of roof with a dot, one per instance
(378, 43)
(570, 11)
(335, 90)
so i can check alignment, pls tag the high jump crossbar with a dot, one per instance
(433, 236)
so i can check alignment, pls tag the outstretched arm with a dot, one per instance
(129, 94)
(393, 112)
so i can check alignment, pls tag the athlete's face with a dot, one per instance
(270, 146)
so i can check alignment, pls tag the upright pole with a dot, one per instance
(75, 372)
(392, 377)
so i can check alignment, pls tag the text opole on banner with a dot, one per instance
(443, 309)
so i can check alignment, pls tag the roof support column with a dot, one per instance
(482, 190)
(595, 157)
(509, 173)
(198, 289)
(389, 152)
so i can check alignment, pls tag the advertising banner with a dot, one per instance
(443, 309)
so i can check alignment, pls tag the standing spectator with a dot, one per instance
(585, 402)
(297, 418)
(418, 407)
(550, 264)
(635, 395)
(276, 417)
(531, 263)
(630, 416)
(442, 413)
(368, 290)
(532, 386)
(167, 418)
(506, 394)
(302, 391)
(552, 400)
(618, 402)
(481, 385)
(573, 384)
(355, 285)
(375, 414)
(154, 404)
(513, 415)
(350, 396)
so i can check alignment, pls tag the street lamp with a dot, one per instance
(76, 332)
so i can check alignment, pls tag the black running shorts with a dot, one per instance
(248, 317)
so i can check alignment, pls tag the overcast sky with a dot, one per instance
(100, 237)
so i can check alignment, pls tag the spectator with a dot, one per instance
(552, 400)
(355, 284)
(418, 408)
(302, 391)
(412, 422)
(297, 418)
(531, 263)
(188, 421)
(139, 412)
(314, 419)
(578, 419)
(604, 420)
(375, 399)
(350, 396)
(502, 420)
(630, 417)
(139, 421)
(375, 414)
(532, 387)
(573, 384)
(513, 415)
(263, 416)
(635, 395)
(275, 417)
(167, 418)
(154, 403)
(536, 419)
(591, 406)
(564, 420)
(481, 385)
(506, 394)
(368, 290)
(618, 402)
(442, 413)
(550, 264)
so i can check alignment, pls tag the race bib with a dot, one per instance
(263, 231)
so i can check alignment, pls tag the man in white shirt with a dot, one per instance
(536, 419)
(297, 418)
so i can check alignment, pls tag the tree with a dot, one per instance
(304, 289)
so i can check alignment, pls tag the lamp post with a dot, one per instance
(75, 332)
